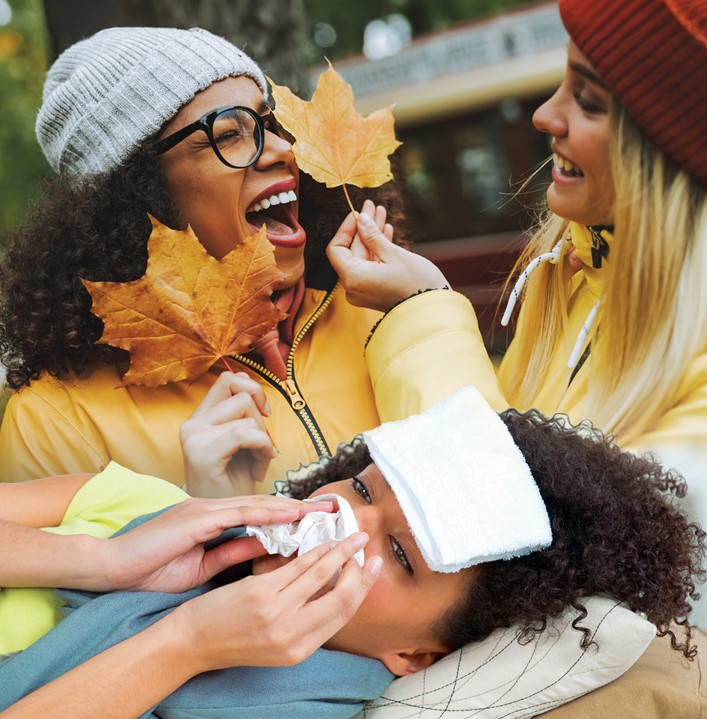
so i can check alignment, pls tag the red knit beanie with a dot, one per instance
(652, 55)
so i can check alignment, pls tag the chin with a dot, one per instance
(293, 270)
(581, 212)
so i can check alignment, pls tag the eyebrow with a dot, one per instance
(586, 72)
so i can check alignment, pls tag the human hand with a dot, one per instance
(166, 554)
(225, 444)
(272, 619)
(374, 272)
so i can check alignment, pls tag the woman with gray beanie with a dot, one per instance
(137, 121)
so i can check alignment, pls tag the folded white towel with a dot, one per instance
(309, 532)
(462, 483)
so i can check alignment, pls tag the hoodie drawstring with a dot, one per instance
(552, 256)
(582, 336)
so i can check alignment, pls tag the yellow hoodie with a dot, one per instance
(79, 425)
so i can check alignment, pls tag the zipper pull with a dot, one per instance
(296, 399)
(600, 247)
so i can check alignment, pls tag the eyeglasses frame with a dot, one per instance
(206, 124)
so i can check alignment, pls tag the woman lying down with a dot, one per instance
(469, 521)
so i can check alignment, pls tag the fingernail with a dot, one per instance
(360, 540)
(375, 565)
(266, 407)
(328, 505)
(365, 219)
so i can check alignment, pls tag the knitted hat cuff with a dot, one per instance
(652, 55)
(108, 93)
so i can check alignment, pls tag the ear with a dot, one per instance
(403, 663)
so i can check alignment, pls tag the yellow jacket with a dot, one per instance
(435, 337)
(54, 427)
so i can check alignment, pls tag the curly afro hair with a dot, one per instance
(97, 228)
(616, 532)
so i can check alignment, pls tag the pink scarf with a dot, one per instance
(274, 347)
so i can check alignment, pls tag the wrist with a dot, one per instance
(94, 567)
(186, 642)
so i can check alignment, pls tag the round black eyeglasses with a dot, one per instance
(236, 135)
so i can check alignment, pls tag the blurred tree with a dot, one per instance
(22, 63)
(271, 31)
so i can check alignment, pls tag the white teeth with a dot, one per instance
(282, 198)
(565, 165)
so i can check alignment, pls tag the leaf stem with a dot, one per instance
(348, 199)
(225, 361)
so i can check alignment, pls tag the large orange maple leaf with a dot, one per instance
(188, 310)
(333, 143)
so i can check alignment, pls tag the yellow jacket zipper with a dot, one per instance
(288, 386)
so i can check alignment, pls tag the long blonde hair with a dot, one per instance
(653, 318)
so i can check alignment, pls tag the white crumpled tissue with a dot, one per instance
(309, 532)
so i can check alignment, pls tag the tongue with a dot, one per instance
(272, 225)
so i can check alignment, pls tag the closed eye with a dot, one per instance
(589, 107)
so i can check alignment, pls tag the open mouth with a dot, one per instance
(566, 167)
(275, 212)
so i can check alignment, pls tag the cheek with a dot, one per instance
(381, 599)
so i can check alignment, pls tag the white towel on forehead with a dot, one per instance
(462, 483)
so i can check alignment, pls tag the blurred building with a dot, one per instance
(463, 101)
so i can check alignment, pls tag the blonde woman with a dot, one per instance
(613, 325)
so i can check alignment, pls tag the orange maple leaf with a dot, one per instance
(333, 143)
(188, 310)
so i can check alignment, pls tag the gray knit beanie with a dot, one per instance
(107, 93)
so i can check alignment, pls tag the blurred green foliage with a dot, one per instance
(23, 57)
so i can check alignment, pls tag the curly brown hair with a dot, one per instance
(615, 528)
(97, 228)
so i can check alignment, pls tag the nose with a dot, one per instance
(276, 150)
(368, 518)
(550, 117)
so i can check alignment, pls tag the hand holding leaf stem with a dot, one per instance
(225, 444)
(374, 272)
